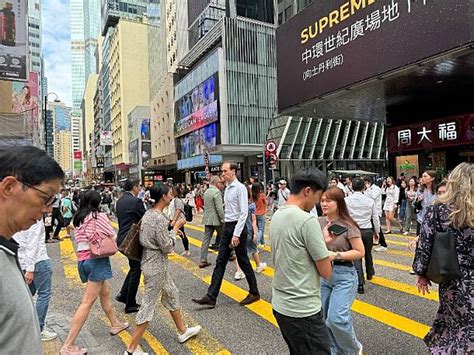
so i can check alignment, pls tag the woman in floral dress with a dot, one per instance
(453, 327)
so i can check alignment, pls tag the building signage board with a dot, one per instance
(336, 43)
(198, 161)
(446, 132)
(99, 162)
(197, 108)
(13, 40)
(106, 138)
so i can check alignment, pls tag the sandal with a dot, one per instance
(117, 329)
(72, 350)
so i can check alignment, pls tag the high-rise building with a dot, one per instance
(59, 117)
(63, 150)
(85, 29)
(76, 132)
(34, 35)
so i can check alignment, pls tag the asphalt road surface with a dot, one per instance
(390, 318)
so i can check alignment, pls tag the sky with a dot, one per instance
(57, 48)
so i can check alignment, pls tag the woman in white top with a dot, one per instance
(392, 193)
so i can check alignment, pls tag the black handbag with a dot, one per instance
(443, 265)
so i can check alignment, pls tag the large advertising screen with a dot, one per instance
(13, 40)
(198, 141)
(145, 129)
(25, 99)
(197, 108)
(335, 43)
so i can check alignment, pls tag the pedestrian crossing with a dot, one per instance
(207, 343)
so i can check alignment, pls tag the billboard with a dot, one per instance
(335, 43)
(146, 151)
(13, 40)
(25, 99)
(197, 108)
(197, 142)
(145, 129)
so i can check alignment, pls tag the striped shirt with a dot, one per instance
(84, 232)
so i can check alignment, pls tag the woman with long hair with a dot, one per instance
(392, 193)
(93, 272)
(410, 215)
(158, 241)
(402, 204)
(453, 328)
(342, 236)
(425, 196)
(176, 208)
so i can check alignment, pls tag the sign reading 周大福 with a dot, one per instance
(336, 43)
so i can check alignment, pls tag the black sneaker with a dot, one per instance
(205, 301)
(120, 299)
(132, 309)
(360, 289)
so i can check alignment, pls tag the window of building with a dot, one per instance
(288, 12)
(280, 18)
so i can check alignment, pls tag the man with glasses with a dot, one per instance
(29, 179)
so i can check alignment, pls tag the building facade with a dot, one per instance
(224, 104)
(62, 140)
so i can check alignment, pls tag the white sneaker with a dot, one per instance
(261, 267)
(239, 275)
(405, 233)
(46, 335)
(189, 333)
(380, 248)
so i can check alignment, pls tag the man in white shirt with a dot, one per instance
(348, 186)
(375, 193)
(283, 193)
(363, 210)
(234, 236)
(36, 265)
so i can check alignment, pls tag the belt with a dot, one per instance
(343, 263)
(231, 222)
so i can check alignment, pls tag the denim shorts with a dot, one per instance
(95, 270)
(251, 246)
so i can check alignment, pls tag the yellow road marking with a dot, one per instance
(395, 242)
(401, 253)
(71, 272)
(392, 265)
(397, 235)
(396, 321)
(261, 308)
(403, 287)
(203, 344)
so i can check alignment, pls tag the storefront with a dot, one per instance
(431, 145)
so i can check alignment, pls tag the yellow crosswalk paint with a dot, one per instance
(403, 287)
(392, 265)
(395, 242)
(261, 308)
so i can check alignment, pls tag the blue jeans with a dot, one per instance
(337, 296)
(261, 229)
(42, 285)
(403, 208)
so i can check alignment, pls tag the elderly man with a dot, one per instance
(29, 180)
(213, 218)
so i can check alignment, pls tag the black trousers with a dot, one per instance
(308, 335)
(130, 285)
(223, 258)
(368, 241)
(59, 218)
(185, 239)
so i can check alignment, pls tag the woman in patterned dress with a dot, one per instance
(158, 242)
(453, 327)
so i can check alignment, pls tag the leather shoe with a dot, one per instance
(369, 277)
(214, 247)
(360, 289)
(120, 299)
(249, 299)
(205, 301)
(132, 309)
(204, 264)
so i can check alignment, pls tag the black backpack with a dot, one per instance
(188, 212)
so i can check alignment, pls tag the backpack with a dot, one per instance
(188, 212)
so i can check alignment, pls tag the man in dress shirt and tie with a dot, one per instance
(364, 211)
(234, 236)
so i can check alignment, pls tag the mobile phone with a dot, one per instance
(337, 229)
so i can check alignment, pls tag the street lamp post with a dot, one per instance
(45, 117)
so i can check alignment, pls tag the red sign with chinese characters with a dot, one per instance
(77, 155)
(445, 132)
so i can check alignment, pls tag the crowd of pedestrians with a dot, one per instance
(322, 234)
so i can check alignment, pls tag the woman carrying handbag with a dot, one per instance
(94, 271)
(453, 216)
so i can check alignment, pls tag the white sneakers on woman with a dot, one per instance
(189, 333)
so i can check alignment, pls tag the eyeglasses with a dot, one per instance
(47, 202)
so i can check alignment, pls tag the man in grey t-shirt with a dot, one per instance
(300, 257)
(29, 179)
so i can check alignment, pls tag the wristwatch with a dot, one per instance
(338, 256)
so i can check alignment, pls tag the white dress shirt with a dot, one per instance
(32, 246)
(236, 205)
(375, 193)
(362, 209)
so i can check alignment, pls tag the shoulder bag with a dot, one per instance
(101, 245)
(443, 265)
(131, 246)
